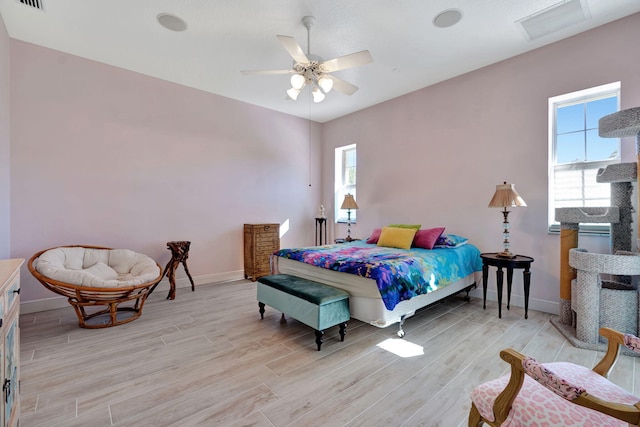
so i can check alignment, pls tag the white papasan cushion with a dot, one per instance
(535, 405)
(100, 268)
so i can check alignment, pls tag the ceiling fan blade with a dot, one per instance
(348, 61)
(342, 86)
(256, 72)
(294, 49)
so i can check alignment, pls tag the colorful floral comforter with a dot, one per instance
(400, 274)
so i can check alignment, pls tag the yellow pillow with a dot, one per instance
(393, 237)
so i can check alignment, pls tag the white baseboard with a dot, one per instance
(232, 276)
(60, 301)
(545, 306)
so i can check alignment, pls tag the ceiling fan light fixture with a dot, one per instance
(318, 96)
(293, 93)
(298, 81)
(312, 71)
(326, 83)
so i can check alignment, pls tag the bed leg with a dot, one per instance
(467, 290)
(400, 330)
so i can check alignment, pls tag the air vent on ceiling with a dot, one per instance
(36, 4)
(555, 18)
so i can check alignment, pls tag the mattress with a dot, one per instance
(365, 301)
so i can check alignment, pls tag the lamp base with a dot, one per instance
(349, 239)
(506, 254)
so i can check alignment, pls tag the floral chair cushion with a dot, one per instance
(535, 405)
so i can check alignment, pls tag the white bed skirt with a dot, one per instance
(365, 302)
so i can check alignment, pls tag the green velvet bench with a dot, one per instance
(312, 303)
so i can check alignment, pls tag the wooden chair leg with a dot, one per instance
(475, 420)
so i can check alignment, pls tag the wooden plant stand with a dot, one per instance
(179, 254)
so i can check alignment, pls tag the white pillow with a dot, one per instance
(102, 271)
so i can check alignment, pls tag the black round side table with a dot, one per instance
(518, 261)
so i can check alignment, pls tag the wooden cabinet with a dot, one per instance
(10, 345)
(260, 241)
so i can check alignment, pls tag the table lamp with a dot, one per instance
(348, 204)
(505, 197)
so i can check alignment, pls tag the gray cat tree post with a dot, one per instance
(586, 301)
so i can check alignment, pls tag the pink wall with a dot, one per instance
(5, 145)
(104, 156)
(434, 156)
(109, 157)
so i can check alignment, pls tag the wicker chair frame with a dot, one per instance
(106, 300)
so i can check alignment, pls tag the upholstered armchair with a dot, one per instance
(558, 393)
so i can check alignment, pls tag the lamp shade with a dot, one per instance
(318, 96)
(620, 124)
(298, 81)
(506, 196)
(349, 202)
(293, 93)
(326, 83)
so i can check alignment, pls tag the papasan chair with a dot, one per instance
(98, 281)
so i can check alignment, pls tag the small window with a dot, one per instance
(345, 180)
(576, 151)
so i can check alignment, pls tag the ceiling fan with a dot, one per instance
(311, 70)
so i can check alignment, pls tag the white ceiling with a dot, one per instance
(226, 36)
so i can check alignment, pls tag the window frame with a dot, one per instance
(578, 97)
(340, 186)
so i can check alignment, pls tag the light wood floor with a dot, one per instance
(206, 358)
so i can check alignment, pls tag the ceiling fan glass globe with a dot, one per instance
(325, 83)
(318, 96)
(297, 81)
(293, 93)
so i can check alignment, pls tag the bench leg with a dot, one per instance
(319, 335)
(261, 305)
(343, 330)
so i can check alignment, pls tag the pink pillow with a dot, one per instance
(427, 238)
(375, 236)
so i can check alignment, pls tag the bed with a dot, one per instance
(386, 285)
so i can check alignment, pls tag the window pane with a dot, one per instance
(579, 188)
(350, 158)
(601, 148)
(599, 108)
(577, 150)
(568, 188)
(570, 148)
(349, 177)
(345, 180)
(570, 119)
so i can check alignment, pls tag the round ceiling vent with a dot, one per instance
(171, 22)
(447, 18)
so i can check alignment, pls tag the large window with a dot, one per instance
(576, 151)
(345, 180)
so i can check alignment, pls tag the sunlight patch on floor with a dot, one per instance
(401, 347)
